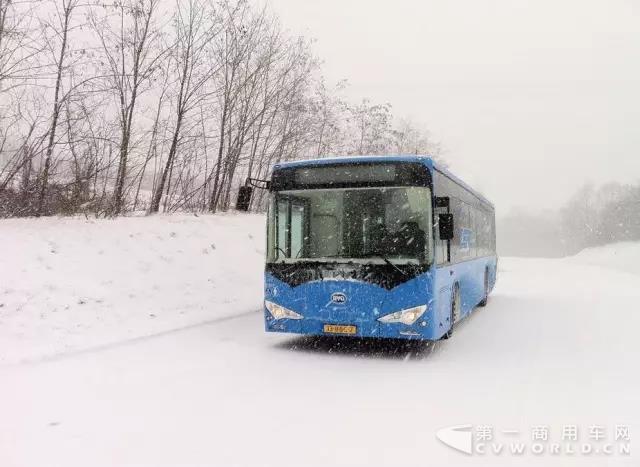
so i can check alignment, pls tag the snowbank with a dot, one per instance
(70, 283)
(624, 256)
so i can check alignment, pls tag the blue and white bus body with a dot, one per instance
(342, 295)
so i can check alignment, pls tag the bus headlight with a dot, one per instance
(280, 312)
(408, 316)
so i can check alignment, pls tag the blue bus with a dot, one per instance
(375, 246)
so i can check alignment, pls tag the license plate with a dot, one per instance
(340, 329)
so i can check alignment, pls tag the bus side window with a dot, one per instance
(478, 222)
(440, 245)
(458, 249)
(441, 251)
(485, 229)
(297, 230)
(290, 228)
(282, 214)
(473, 232)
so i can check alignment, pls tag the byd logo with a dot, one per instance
(339, 298)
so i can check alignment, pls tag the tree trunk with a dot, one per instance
(216, 181)
(56, 112)
(157, 196)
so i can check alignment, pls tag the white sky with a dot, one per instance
(530, 98)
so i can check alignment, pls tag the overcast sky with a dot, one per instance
(530, 98)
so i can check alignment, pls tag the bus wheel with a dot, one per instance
(455, 310)
(483, 302)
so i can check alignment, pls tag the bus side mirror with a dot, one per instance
(244, 198)
(445, 226)
(442, 202)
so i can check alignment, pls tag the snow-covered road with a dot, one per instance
(557, 346)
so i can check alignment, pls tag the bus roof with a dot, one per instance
(426, 160)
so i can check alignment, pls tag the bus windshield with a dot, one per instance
(364, 225)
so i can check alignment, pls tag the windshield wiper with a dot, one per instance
(388, 261)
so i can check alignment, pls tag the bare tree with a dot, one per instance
(64, 21)
(407, 138)
(231, 50)
(7, 31)
(152, 150)
(195, 29)
(329, 111)
(19, 44)
(371, 126)
(131, 48)
(263, 74)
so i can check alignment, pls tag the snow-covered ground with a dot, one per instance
(165, 361)
(68, 284)
(624, 256)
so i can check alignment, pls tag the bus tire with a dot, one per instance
(455, 310)
(485, 298)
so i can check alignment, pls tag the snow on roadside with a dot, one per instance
(68, 284)
(623, 256)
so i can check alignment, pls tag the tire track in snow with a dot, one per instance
(126, 342)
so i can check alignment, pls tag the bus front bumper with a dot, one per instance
(421, 330)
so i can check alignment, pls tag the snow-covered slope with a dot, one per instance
(70, 283)
(624, 256)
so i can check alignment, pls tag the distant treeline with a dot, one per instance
(108, 107)
(594, 216)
